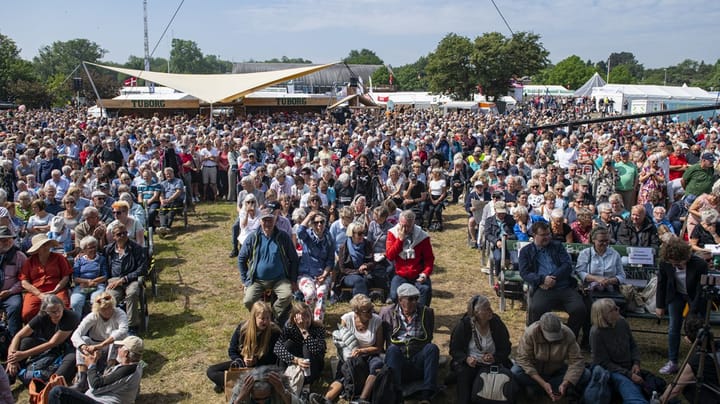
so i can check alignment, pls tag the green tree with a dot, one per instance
(622, 75)
(213, 64)
(12, 68)
(363, 57)
(412, 77)
(498, 59)
(138, 63)
(63, 57)
(381, 76)
(286, 59)
(186, 57)
(635, 69)
(572, 73)
(450, 69)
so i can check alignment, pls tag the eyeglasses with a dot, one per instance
(319, 222)
(91, 247)
(250, 202)
(117, 212)
(535, 186)
(105, 298)
(54, 312)
(100, 198)
(69, 202)
(120, 234)
(363, 311)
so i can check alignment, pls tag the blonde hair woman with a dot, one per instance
(252, 344)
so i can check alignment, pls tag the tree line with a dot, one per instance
(458, 67)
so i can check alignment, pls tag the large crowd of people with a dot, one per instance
(331, 211)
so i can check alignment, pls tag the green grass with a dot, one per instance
(200, 303)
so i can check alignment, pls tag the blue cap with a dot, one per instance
(708, 156)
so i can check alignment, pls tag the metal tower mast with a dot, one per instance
(147, 47)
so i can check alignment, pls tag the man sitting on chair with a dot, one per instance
(546, 266)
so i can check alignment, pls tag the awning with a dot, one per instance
(214, 88)
(363, 100)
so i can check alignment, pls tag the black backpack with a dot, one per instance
(384, 389)
(354, 373)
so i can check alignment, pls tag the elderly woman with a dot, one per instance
(523, 223)
(39, 222)
(559, 230)
(582, 226)
(97, 332)
(46, 335)
(701, 204)
(618, 206)
(316, 263)
(651, 179)
(548, 205)
(264, 384)
(705, 233)
(248, 217)
(43, 273)
(121, 212)
(535, 199)
(678, 284)
(251, 344)
(437, 192)
(71, 215)
(90, 272)
(302, 342)
(393, 185)
(606, 219)
(355, 263)
(361, 212)
(478, 341)
(367, 328)
(614, 348)
(338, 229)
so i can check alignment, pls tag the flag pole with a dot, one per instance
(98, 100)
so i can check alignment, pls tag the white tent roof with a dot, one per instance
(214, 88)
(586, 89)
(661, 92)
(541, 89)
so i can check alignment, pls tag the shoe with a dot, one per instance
(218, 389)
(485, 270)
(669, 368)
(233, 254)
(81, 383)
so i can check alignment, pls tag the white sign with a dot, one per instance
(640, 256)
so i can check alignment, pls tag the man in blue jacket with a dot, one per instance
(268, 260)
(546, 266)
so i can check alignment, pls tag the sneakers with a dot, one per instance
(669, 368)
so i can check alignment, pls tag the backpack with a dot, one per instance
(354, 373)
(598, 389)
(384, 389)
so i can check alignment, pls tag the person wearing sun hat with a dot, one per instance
(549, 360)
(45, 272)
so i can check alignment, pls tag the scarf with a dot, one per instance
(356, 252)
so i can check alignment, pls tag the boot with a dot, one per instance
(81, 383)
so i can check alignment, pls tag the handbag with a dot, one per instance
(296, 377)
(345, 341)
(232, 377)
(39, 391)
(493, 384)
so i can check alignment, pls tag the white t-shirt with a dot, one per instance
(436, 186)
(365, 338)
(565, 157)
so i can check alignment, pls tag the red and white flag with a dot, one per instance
(131, 82)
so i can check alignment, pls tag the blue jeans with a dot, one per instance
(554, 379)
(13, 307)
(78, 297)
(421, 366)
(630, 392)
(425, 289)
(65, 395)
(674, 311)
(358, 283)
(235, 234)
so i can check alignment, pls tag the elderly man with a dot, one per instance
(11, 260)
(117, 384)
(91, 226)
(105, 211)
(410, 352)
(546, 266)
(61, 184)
(52, 203)
(409, 248)
(172, 197)
(499, 225)
(638, 230)
(549, 361)
(127, 261)
(698, 179)
(268, 260)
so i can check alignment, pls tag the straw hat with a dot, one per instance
(38, 241)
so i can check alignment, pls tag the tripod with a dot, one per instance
(703, 340)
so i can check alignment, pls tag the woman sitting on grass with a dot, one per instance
(302, 342)
(366, 325)
(251, 344)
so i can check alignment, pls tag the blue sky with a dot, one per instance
(658, 32)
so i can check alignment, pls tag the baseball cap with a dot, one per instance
(551, 327)
(274, 205)
(266, 213)
(708, 156)
(478, 183)
(501, 172)
(412, 176)
(407, 290)
(133, 344)
(500, 207)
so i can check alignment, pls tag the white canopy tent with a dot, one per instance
(542, 90)
(586, 89)
(637, 99)
(213, 88)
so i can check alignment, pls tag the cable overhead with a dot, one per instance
(167, 26)
(503, 18)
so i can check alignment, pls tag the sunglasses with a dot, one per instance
(105, 298)
(320, 222)
(70, 203)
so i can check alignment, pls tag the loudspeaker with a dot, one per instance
(77, 83)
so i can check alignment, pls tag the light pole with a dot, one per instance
(607, 78)
(665, 80)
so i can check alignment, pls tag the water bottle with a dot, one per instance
(654, 399)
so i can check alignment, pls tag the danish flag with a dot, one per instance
(131, 82)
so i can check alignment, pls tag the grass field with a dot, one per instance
(200, 303)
